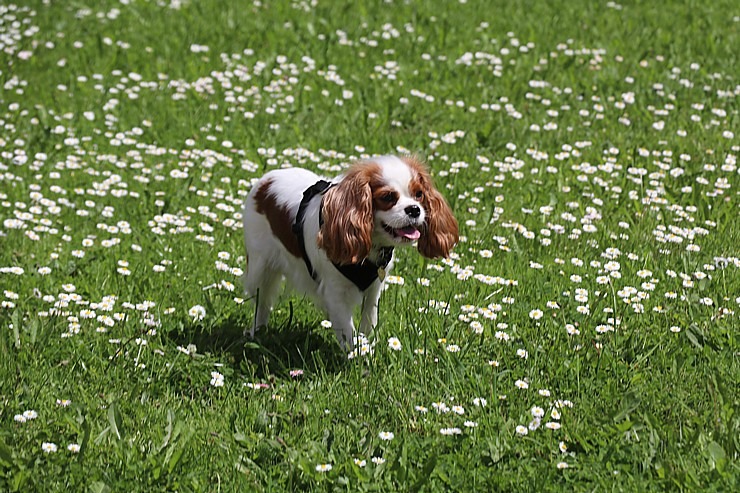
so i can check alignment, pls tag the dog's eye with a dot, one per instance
(388, 197)
(419, 195)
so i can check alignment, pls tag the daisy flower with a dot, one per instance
(537, 412)
(480, 401)
(386, 435)
(49, 447)
(394, 343)
(217, 379)
(197, 312)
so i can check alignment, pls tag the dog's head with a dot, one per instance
(385, 202)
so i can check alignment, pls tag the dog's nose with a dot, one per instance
(413, 211)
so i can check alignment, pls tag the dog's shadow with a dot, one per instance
(275, 350)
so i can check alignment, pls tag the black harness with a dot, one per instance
(362, 274)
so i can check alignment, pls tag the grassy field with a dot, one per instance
(583, 336)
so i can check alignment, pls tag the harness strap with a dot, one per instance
(318, 188)
(362, 274)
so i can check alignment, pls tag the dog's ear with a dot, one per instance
(440, 232)
(347, 212)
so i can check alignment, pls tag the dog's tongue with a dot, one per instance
(409, 232)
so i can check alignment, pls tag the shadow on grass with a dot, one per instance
(274, 351)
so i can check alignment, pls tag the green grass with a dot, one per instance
(601, 132)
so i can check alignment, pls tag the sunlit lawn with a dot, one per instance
(583, 336)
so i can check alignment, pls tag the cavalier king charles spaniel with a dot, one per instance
(334, 239)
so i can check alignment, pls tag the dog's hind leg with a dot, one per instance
(263, 284)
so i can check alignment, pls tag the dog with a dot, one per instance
(334, 240)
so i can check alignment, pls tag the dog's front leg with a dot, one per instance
(344, 329)
(340, 315)
(370, 307)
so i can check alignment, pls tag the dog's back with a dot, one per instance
(273, 249)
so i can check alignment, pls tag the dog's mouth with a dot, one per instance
(407, 233)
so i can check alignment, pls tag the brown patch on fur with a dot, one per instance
(346, 235)
(281, 222)
(441, 232)
(416, 187)
(384, 198)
